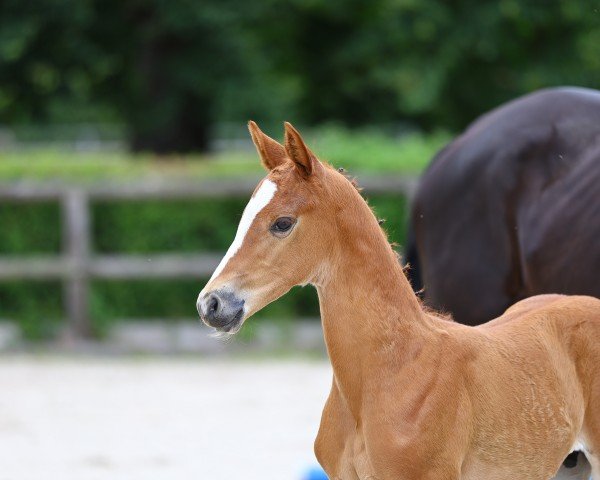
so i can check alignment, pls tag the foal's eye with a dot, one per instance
(282, 226)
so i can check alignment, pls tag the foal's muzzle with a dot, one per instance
(221, 310)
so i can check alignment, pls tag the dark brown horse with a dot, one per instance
(511, 208)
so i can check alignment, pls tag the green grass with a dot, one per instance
(359, 151)
(373, 152)
(51, 164)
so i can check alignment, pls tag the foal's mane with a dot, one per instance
(353, 180)
(405, 269)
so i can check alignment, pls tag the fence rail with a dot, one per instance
(77, 264)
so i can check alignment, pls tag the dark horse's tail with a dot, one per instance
(411, 257)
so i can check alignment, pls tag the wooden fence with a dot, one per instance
(77, 264)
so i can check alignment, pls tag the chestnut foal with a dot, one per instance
(414, 395)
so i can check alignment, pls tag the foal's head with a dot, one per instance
(286, 234)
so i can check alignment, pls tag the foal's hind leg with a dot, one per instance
(595, 462)
(592, 446)
(591, 431)
(591, 443)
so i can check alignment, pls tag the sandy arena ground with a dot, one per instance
(129, 419)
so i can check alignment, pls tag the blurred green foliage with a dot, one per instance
(141, 228)
(29, 228)
(207, 225)
(37, 307)
(172, 72)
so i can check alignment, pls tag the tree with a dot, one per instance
(159, 66)
(172, 71)
(174, 58)
(434, 62)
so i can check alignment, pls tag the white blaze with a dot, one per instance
(260, 200)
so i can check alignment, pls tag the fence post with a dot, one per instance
(76, 241)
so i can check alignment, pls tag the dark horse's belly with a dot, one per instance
(511, 208)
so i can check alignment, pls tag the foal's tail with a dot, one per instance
(411, 257)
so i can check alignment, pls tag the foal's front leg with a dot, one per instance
(334, 442)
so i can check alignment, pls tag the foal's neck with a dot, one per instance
(369, 312)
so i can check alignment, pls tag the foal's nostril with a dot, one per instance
(213, 304)
(210, 307)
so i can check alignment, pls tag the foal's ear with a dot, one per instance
(271, 152)
(297, 150)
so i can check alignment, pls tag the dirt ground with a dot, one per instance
(147, 418)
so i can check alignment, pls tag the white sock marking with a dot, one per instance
(260, 200)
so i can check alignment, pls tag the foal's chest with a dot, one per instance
(340, 445)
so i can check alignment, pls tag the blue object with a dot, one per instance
(315, 473)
